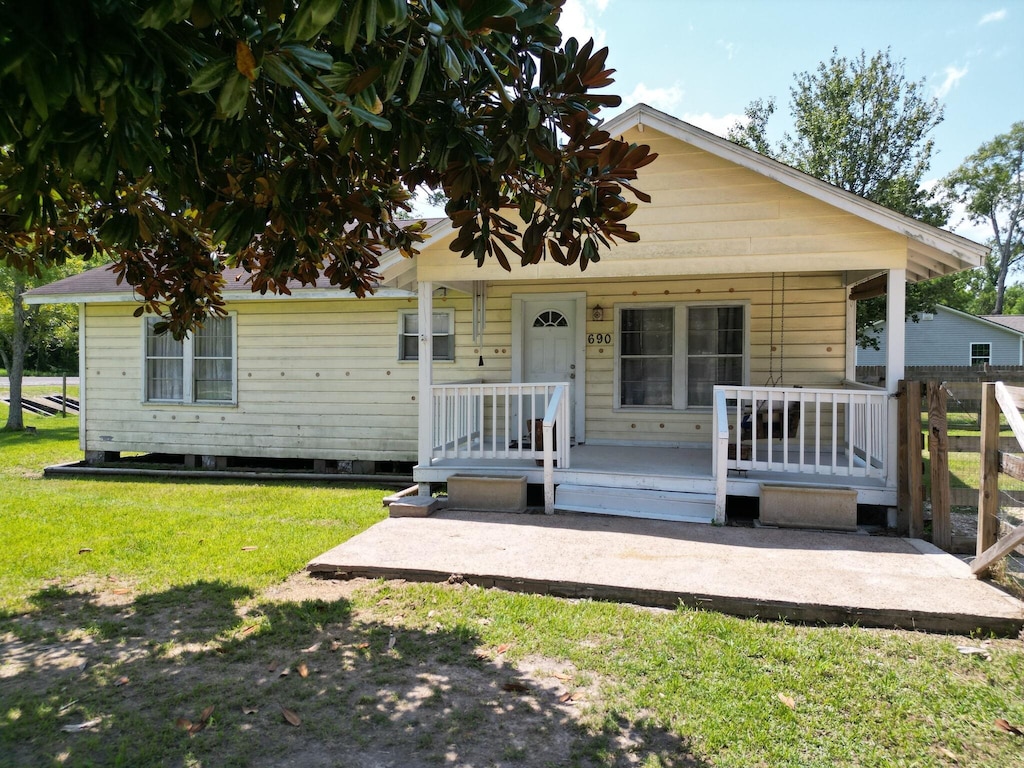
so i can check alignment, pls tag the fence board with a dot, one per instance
(915, 476)
(939, 460)
(988, 494)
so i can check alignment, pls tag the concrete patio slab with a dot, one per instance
(804, 576)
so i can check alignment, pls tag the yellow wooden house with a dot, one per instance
(712, 359)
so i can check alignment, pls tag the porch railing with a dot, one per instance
(476, 420)
(840, 432)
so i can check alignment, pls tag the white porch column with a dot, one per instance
(425, 305)
(895, 361)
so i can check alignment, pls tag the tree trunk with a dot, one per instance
(15, 421)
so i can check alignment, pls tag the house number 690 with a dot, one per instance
(599, 338)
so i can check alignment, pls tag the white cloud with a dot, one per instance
(665, 99)
(953, 76)
(719, 125)
(988, 18)
(730, 48)
(579, 20)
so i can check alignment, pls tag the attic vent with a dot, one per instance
(927, 316)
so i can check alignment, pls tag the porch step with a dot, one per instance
(635, 502)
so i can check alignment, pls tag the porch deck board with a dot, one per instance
(685, 468)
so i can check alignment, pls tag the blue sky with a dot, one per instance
(705, 60)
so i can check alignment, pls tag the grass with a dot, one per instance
(156, 534)
(169, 612)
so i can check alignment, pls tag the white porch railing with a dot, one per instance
(840, 432)
(499, 421)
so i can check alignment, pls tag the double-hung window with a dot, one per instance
(673, 356)
(197, 369)
(981, 353)
(409, 335)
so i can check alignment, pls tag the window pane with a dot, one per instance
(646, 331)
(410, 323)
(646, 381)
(441, 322)
(163, 345)
(409, 348)
(444, 347)
(214, 339)
(164, 379)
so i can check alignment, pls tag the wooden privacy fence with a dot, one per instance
(995, 540)
(910, 479)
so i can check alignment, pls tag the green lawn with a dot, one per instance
(136, 605)
(155, 534)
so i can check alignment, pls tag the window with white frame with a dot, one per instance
(981, 353)
(409, 334)
(197, 369)
(673, 356)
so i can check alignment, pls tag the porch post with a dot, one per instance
(895, 362)
(425, 367)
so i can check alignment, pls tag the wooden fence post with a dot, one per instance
(903, 461)
(915, 482)
(988, 493)
(938, 453)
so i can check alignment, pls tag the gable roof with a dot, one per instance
(931, 251)
(1014, 322)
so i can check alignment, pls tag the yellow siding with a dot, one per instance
(809, 334)
(709, 216)
(316, 379)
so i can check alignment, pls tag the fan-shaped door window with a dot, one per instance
(550, 318)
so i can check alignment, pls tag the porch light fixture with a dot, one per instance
(597, 313)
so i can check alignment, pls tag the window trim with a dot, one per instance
(680, 353)
(988, 360)
(188, 369)
(403, 313)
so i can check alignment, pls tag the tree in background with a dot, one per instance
(990, 183)
(861, 125)
(290, 134)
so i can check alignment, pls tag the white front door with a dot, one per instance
(549, 344)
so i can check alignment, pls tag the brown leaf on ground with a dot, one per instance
(1005, 725)
(569, 697)
(121, 681)
(514, 687)
(83, 550)
(787, 700)
(248, 629)
(249, 549)
(121, 591)
(363, 646)
(302, 669)
(184, 723)
(949, 755)
(560, 676)
(291, 717)
(312, 649)
(335, 645)
(205, 717)
(284, 672)
(196, 727)
(503, 647)
(249, 710)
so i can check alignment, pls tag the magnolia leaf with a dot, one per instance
(284, 672)
(560, 676)
(302, 669)
(121, 681)
(391, 641)
(1005, 725)
(335, 645)
(79, 727)
(249, 549)
(184, 723)
(515, 687)
(291, 717)
(503, 647)
(248, 629)
(83, 550)
(205, 717)
(787, 700)
(249, 710)
(245, 62)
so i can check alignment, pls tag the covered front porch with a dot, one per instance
(774, 436)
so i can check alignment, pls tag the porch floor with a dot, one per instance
(805, 576)
(659, 468)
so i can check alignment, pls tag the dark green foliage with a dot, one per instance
(289, 135)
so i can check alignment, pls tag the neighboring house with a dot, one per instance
(949, 337)
(712, 358)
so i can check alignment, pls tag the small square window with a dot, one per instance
(409, 335)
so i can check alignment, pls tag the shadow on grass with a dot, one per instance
(365, 693)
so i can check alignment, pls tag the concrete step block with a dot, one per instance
(413, 506)
(787, 506)
(487, 493)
